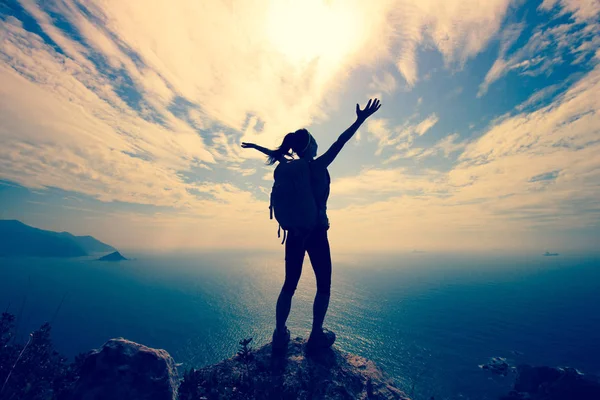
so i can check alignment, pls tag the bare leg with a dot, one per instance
(294, 257)
(284, 305)
(320, 258)
(319, 310)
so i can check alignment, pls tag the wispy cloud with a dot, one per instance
(243, 171)
(548, 46)
(458, 29)
(401, 136)
(446, 146)
(540, 95)
(386, 83)
(582, 10)
(509, 36)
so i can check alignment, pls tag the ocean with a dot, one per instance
(428, 320)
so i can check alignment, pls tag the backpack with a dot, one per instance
(292, 199)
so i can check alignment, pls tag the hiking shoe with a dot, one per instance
(280, 339)
(321, 340)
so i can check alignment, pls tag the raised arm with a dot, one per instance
(263, 150)
(361, 116)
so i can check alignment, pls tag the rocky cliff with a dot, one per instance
(260, 374)
(122, 369)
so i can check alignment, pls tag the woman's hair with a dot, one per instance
(294, 141)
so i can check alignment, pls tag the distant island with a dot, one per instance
(18, 239)
(548, 254)
(116, 256)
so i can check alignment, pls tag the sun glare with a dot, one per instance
(303, 30)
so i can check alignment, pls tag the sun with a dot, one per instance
(303, 30)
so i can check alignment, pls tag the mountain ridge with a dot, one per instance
(19, 239)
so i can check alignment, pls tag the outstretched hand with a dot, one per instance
(369, 110)
(247, 145)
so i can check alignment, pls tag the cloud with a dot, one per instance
(166, 72)
(582, 10)
(448, 145)
(148, 85)
(570, 122)
(458, 29)
(401, 136)
(540, 95)
(58, 134)
(225, 149)
(528, 181)
(145, 104)
(386, 84)
(256, 52)
(421, 128)
(379, 129)
(509, 36)
(131, 118)
(548, 46)
(445, 146)
(372, 182)
(243, 171)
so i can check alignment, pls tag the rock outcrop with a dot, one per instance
(260, 374)
(498, 366)
(122, 370)
(548, 383)
(125, 370)
(115, 256)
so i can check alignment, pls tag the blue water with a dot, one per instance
(424, 318)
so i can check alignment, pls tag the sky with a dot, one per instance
(123, 120)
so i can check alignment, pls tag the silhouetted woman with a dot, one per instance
(304, 145)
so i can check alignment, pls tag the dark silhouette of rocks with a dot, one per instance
(18, 239)
(124, 370)
(498, 366)
(115, 256)
(548, 383)
(330, 374)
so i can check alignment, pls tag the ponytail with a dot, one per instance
(293, 141)
(282, 150)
